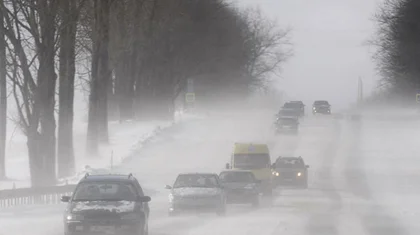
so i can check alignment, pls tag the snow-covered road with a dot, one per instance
(363, 179)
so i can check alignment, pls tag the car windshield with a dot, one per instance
(289, 163)
(237, 177)
(321, 102)
(100, 191)
(196, 181)
(287, 112)
(292, 105)
(251, 161)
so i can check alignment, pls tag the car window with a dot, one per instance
(100, 191)
(196, 180)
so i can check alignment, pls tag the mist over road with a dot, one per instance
(351, 190)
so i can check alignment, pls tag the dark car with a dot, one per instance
(299, 106)
(285, 124)
(241, 187)
(197, 192)
(288, 112)
(321, 106)
(290, 171)
(107, 204)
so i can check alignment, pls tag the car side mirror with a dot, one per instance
(227, 166)
(65, 198)
(307, 166)
(144, 199)
(168, 187)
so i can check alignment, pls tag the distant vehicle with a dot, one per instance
(299, 106)
(197, 192)
(103, 204)
(288, 112)
(290, 171)
(322, 107)
(287, 125)
(241, 187)
(256, 158)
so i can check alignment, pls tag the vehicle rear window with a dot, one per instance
(101, 191)
(240, 177)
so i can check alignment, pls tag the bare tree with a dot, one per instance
(34, 98)
(397, 42)
(3, 97)
(69, 18)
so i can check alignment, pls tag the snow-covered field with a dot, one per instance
(363, 179)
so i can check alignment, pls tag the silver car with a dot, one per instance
(201, 192)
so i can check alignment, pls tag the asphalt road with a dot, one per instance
(363, 179)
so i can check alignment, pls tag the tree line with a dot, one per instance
(397, 42)
(138, 56)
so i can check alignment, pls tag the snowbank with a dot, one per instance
(124, 139)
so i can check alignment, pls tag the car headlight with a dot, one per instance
(74, 217)
(276, 173)
(129, 217)
(299, 174)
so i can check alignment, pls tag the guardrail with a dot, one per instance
(34, 196)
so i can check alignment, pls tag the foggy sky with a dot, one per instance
(329, 51)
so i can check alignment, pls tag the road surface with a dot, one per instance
(363, 179)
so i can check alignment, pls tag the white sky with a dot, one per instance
(329, 55)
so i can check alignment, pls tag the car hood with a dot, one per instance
(185, 192)
(236, 185)
(102, 206)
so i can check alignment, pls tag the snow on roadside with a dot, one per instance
(124, 138)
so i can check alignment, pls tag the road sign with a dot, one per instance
(418, 98)
(190, 97)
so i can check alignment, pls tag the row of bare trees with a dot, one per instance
(397, 41)
(141, 53)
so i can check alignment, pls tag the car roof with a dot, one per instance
(108, 178)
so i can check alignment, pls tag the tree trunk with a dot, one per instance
(46, 90)
(66, 161)
(3, 98)
(98, 107)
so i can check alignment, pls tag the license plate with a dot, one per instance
(104, 229)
